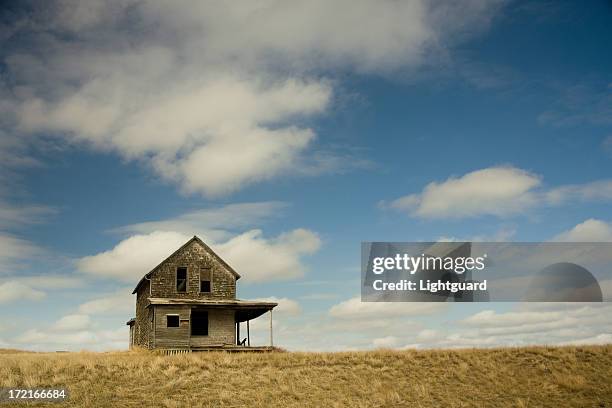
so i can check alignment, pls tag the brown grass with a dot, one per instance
(509, 377)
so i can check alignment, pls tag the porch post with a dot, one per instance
(271, 339)
(248, 334)
(237, 333)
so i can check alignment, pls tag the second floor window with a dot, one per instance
(181, 279)
(205, 286)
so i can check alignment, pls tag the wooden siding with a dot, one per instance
(142, 327)
(172, 336)
(221, 328)
(194, 257)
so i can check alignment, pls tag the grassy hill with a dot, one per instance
(510, 377)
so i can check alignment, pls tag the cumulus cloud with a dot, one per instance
(260, 259)
(120, 302)
(591, 230)
(424, 325)
(498, 191)
(493, 191)
(90, 339)
(72, 332)
(14, 291)
(286, 307)
(74, 322)
(133, 257)
(184, 88)
(600, 339)
(355, 309)
(254, 256)
(212, 223)
(385, 342)
(427, 334)
(533, 323)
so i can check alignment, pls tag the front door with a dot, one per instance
(199, 323)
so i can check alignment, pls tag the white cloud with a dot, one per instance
(190, 134)
(286, 307)
(496, 191)
(16, 291)
(493, 191)
(88, 339)
(212, 223)
(354, 308)
(50, 282)
(73, 332)
(604, 338)
(133, 257)
(501, 235)
(591, 230)
(427, 335)
(14, 251)
(75, 322)
(259, 259)
(255, 257)
(594, 191)
(120, 302)
(398, 325)
(184, 88)
(533, 323)
(37, 336)
(385, 342)
(12, 215)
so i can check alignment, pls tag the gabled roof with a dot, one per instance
(208, 249)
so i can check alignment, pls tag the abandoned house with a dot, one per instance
(188, 302)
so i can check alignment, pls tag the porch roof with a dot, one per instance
(245, 309)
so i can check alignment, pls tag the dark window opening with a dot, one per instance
(172, 321)
(205, 284)
(181, 279)
(199, 323)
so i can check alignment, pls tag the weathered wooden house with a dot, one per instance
(188, 302)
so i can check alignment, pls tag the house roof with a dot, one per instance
(185, 245)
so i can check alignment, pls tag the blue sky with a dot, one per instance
(286, 135)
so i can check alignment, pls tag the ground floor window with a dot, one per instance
(199, 323)
(172, 321)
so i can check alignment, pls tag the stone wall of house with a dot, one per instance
(195, 257)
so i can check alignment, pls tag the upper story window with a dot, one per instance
(181, 279)
(205, 280)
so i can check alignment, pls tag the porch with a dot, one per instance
(185, 325)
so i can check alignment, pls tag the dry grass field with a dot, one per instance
(510, 377)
